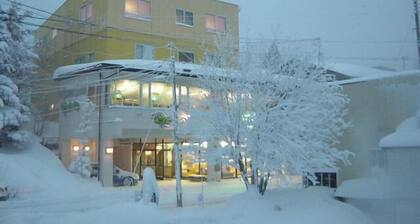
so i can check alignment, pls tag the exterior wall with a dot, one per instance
(118, 122)
(376, 108)
(110, 21)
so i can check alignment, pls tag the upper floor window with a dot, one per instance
(187, 57)
(184, 17)
(86, 12)
(215, 24)
(138, 8)
(143, 51)
(54, 33)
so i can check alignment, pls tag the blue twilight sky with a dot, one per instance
(365, 32)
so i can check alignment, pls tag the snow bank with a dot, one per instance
(406, 135)
(35, 171)
(292, 206)
(380, 187)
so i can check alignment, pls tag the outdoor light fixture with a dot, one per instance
(76, 148)
(87, 148)
(204, 145)
(109, 150)
(148, 153)
(223, 144)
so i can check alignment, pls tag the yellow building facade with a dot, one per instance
(82, 31)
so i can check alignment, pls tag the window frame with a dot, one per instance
(189, 52)
(144, 48)
(84, 11)
(183, 23)
(214, 20)
(138, 16)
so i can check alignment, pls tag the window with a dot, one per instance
(79, 60)
(138, 9)
(161, 94)
(145, 95)
(216, 24)
(93, 94)
(91, 57)
(187, 57)
(142, 51)
(197, 95)
(327, 179)
(125, 92)
(214, 60)
(184, 17)
(86, 12)
(53, 33)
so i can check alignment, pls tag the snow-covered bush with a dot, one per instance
(81, 164)
(12, 113)
(149, 191)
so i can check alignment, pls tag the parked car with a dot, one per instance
(94, 170)
(120, 177)
(124, 178)
(4, 193)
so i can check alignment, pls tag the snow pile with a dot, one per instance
(149, 191)
(406, 135)
(292, 206)
(380, 187)
(35, 171)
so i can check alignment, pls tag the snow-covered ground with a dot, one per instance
(47, 193)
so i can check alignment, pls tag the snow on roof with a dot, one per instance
(356, 71)
(154, 65)
(406, 135)
(385, 76)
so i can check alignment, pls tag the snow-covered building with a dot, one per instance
(383, 180)
(378, 103)
(115, 103)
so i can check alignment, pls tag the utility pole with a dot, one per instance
(416, 17)
(176, 148)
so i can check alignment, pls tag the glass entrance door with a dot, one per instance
(157, 156)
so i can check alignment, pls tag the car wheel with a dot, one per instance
(128, 181)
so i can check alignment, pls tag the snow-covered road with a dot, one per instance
(213, 193)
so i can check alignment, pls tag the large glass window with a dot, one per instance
(196, 95)
(161, 94)
(215, 23)
(138, 8)
(145, 95)
(125, 92)
(184, 17)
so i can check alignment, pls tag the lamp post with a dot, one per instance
(176, 148)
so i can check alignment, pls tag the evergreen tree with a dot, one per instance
(12, 113)
(17, 56)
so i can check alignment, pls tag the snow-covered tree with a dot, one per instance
(12, 113)
(81, 164)
(283, 112)
(88, 113)
(16, 52)
(221, 112)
